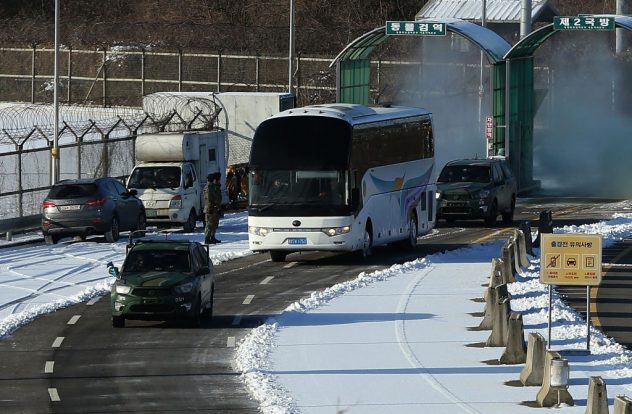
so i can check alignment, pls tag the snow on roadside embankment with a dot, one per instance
(530, 297)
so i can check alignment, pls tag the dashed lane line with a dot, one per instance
(241, 268)
(266, 280)
(93, 301)
(48, 367)
(54, 395)
(248, 299)
(74, 319)
(57, 342)
(230, 342)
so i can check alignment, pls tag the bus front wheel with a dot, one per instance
(367, 243)
(413, 232)
(277, 255)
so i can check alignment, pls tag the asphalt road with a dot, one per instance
(73, 361)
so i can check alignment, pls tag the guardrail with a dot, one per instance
(12, 225)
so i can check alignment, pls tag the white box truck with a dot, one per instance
(241, 113)
(170, 174)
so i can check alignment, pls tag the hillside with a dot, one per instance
(323, 26)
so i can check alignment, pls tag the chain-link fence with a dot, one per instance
(115, 77)
(93, 142)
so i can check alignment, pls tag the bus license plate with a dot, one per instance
(151, 213)
(297, 240)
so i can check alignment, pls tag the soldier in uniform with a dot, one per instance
(212, 207)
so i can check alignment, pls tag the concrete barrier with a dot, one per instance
(508, 273)
(522, 250)
(498, 337)
(496, 277)
(549, 396)
(492, 295)
(515, 252)
(515, 352)
(533, 372)
(597, 397)
(622, 405)
(488, 316)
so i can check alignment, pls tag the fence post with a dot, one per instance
(298, 75)
(179, 70)
(105, 89)
(257, 73)
(69, 94)
(33, 74)
(219, 71)
(20, 189)
(106, 155)
(142, 73)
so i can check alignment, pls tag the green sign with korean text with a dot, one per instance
(583, 23)
(415, 28)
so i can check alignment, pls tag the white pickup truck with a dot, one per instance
(170, 174)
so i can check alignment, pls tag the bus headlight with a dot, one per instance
(258, 231)
(335, 231)
(438, 195)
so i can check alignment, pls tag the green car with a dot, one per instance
(162, 280)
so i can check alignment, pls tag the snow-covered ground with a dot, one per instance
(395, 340)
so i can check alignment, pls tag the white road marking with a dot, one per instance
(266, 280)
(48, 367)
(57, 342)
(237, 320)
(93, 301)
(241, 268)
(248, 299)
(230, 342)
(54, 395)
(74, 319)
(290, 265)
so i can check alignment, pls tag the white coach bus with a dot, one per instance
(341, 177)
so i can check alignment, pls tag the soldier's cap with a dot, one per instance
(210, 177)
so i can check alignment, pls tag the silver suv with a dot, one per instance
(90, 206)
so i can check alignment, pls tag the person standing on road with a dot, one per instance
(212, 207)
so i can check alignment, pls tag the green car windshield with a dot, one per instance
(157, 261)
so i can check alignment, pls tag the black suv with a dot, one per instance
(163, 279)
(91, 206)
(474, 189)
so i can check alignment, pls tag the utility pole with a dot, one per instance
(55, 150)
(291, 54)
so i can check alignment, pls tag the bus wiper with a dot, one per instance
(262, 207)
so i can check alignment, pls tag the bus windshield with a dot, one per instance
(307, 188)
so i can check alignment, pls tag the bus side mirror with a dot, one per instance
(355, 199)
